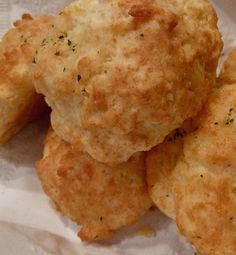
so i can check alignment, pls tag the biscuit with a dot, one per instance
(197, 173)
(100, 197)
(19, 102)
(121, 75)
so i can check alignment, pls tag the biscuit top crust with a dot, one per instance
(121, 75)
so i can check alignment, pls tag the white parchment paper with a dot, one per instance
(28, 218)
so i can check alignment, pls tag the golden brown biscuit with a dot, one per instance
(19, 102)
(121, 75)
(160, 163)
(200, 177)
(204, 180)
(102, 198)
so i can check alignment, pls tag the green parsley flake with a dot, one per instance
(79, 77)
(229, 119)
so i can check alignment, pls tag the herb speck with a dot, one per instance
(229, 120)
(69, 42)
(79, 77)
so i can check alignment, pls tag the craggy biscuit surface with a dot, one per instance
(160, 162)
(120, 75)
(19, 102)
(102, 198)
(228, 72)
(198, 173)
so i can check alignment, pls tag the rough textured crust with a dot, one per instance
(102, 198)
(160, 162)
(19, 102)
(121, 75)
(228, 72)
(202, 181)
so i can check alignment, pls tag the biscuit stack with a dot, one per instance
(123, 77)
(119, 76)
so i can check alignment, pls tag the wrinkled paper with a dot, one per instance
(27, 216)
